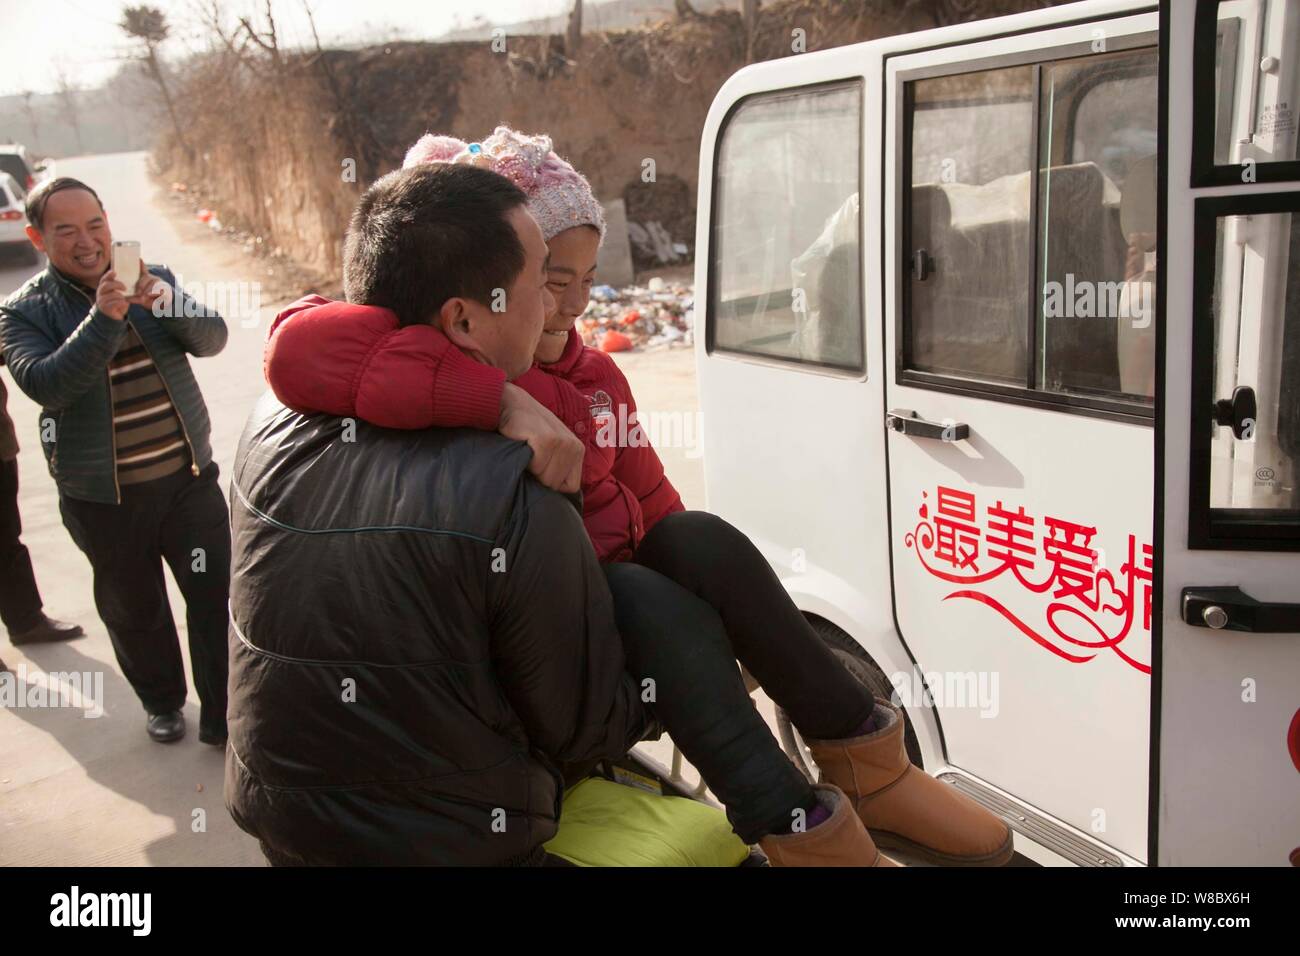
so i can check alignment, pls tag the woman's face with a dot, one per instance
(572, 270)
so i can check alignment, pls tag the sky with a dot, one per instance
(81, 38)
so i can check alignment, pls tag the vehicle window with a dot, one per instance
(1257, 364)
(13, 164)
(1097, 233)
(1030, 233)
(971, 139)
(1256, 82)
(787, 266)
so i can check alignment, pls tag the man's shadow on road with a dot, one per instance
(174, 780)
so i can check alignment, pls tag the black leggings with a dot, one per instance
(696, 597)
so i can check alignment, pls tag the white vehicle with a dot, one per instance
(15, 161)
(13, 220)
(1000, 367)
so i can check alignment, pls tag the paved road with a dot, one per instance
(80, 791)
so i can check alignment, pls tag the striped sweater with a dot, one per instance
(147, 435)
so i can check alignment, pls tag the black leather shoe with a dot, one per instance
(164, 728)
(216, 740)
(46, 631)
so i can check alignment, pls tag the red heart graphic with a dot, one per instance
(1106, 588)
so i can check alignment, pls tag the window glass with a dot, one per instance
(787, 267)
(1257, 80)
(1225, 85)
(13, 164)
(1097, 226)
(969, 243)
(991, 225)
(1257, 364)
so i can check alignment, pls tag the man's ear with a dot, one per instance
(456, 320)
(37, 239)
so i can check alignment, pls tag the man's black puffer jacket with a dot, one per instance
(420, 635)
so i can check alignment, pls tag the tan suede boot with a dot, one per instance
(905, 808)
(839, 841)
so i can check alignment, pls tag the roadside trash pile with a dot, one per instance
(204, 215)
(658, 315)
(253, 244)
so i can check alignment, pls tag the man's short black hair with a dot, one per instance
(40, 196)
(436, 231)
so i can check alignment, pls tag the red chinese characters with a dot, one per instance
(1088, 611)
(956, 537)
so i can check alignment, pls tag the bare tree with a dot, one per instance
(269, 40)
(573, 35)
(68, 91)
(149, 26)
(235, 44)
(356, 129)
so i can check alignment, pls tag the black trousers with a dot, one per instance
(696, 597)
(180, 519)
(20, 601)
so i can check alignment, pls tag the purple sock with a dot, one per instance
(868, 726)
(816, 815)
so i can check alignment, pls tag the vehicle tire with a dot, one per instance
(858, 663)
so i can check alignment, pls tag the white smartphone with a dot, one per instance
(126, 263)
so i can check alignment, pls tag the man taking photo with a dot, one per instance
(126, 434)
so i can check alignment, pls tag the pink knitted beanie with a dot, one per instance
(559, 197)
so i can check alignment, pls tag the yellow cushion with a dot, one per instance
(603, 823)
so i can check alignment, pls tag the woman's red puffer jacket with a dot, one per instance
(356, 360)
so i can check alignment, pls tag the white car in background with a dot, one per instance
(13, 222)
(15, 161)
